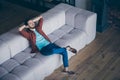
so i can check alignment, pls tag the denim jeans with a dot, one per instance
(54, 49)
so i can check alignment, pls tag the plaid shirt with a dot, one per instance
(30, 35)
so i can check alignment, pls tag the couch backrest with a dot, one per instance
(4, 52)
(16, 43)
(53, 19)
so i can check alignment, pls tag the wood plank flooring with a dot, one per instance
(100, 60)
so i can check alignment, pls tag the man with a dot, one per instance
(40, 42)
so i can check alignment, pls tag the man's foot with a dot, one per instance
(69, 72)
(71, 49)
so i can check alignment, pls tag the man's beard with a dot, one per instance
(32, 27)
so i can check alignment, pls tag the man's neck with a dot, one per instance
(32, 29)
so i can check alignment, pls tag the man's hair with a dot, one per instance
(26, 21)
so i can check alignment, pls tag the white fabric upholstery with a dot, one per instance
(21, 57)
(23, 72)
(62, 7)
(10, 64)
(53, 20)
(15, 42)
(10, 77)
(70, 15)
(35, 65)
(86, 21)
(72, 39)
(4, 52)
(57, 34)
(64, 24)
(3, 72)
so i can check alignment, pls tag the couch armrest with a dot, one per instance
(83, 20)
(86, 21)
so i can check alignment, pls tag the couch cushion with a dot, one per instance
(21, 57)
(28, 51)
(10, 76)
(70, 15)
(3, 72)
(10, 64)
(55, 35)
(62, 7)
(75, 38)
(86, 21)
(23, 72)
(49, 63)
(15, 42)
(4, 52)
(37, 67)
(53, 20)
(80, 19)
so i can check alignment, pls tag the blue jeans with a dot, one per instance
(54, 49)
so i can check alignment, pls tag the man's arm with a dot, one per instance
(22, 27)
(37, 18)
(40, 23)
(23, 32)
(39, 28)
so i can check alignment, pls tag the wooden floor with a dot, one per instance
(100, 60)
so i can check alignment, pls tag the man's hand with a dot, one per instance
(41, 17)
(37, 18)
(22, 27)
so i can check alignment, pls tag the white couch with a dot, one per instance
(64, 24)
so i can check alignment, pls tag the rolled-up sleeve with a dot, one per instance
(40, 23)
(24, 33)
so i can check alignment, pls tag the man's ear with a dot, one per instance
(36, 23)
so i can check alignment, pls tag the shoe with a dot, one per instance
(71, 49)
(69, 72)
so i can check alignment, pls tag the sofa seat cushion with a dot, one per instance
(51, 59)
(24, 72)
(10, 76)
(16, 67)
(20, 72)
(60, 32)
(53, 20)
(22, 57)
(3, 72)
(28, 51)
(38, 68)
(75, 38)
(54, 61)
(10, 64)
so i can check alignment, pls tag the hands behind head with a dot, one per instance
(26, 26)
(41, 17)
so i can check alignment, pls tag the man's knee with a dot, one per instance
(64, 50)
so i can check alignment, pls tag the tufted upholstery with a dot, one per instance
(64, 25)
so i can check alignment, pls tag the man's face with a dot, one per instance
(31, 24)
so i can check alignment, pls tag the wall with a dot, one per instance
(84, 4)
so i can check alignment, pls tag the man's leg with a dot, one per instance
(54, 49)
(64, 54)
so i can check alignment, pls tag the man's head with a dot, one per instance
(31, 24)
